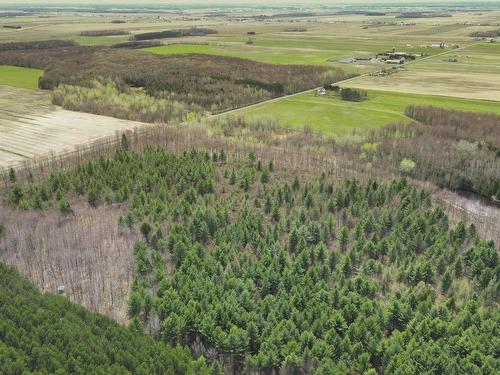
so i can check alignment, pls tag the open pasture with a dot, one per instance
(472, 72)
(30, 126)
(19, 77)
(336, 117)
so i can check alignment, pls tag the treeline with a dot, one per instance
(137, 44)
(105, 98)
(214, 83)
(486, 34)
(359, 12)
(452, 149)
(194, 31)
(457, 125)
(423, 15)
(46, 334)
(267, 272)
(104, 32)
(42, 44)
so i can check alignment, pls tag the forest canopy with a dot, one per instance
(262, 271)
(47, 334)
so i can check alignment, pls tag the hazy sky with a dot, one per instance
(207, 2)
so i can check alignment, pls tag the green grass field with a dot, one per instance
(19, 77)
(336, 117)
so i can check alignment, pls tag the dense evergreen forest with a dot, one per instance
(46, 334)
(264, 272)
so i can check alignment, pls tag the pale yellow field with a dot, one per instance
(470, 86)
(471, 73)
(31, 127)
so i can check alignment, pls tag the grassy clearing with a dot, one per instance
(25, 78)
(473, 73)
(336, 117)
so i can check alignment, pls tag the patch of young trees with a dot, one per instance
(103, 97)
(47, 334)
(353, 95)
(266, 272)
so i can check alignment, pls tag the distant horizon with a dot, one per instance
(211, 3)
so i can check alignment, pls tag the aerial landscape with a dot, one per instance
(246, 188)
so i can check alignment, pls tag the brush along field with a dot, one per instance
(30, 126)
(19, 77)
(472, 72)
(337, 117)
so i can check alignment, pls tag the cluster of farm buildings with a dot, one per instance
(395, 57)
(388, 57)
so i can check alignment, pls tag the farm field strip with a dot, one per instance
(19, 77)
(28, 134)
(329, 39)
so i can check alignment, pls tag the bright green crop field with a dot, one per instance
(19, 77)
(337, 117)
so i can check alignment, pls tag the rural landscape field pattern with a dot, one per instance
(243, 189)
